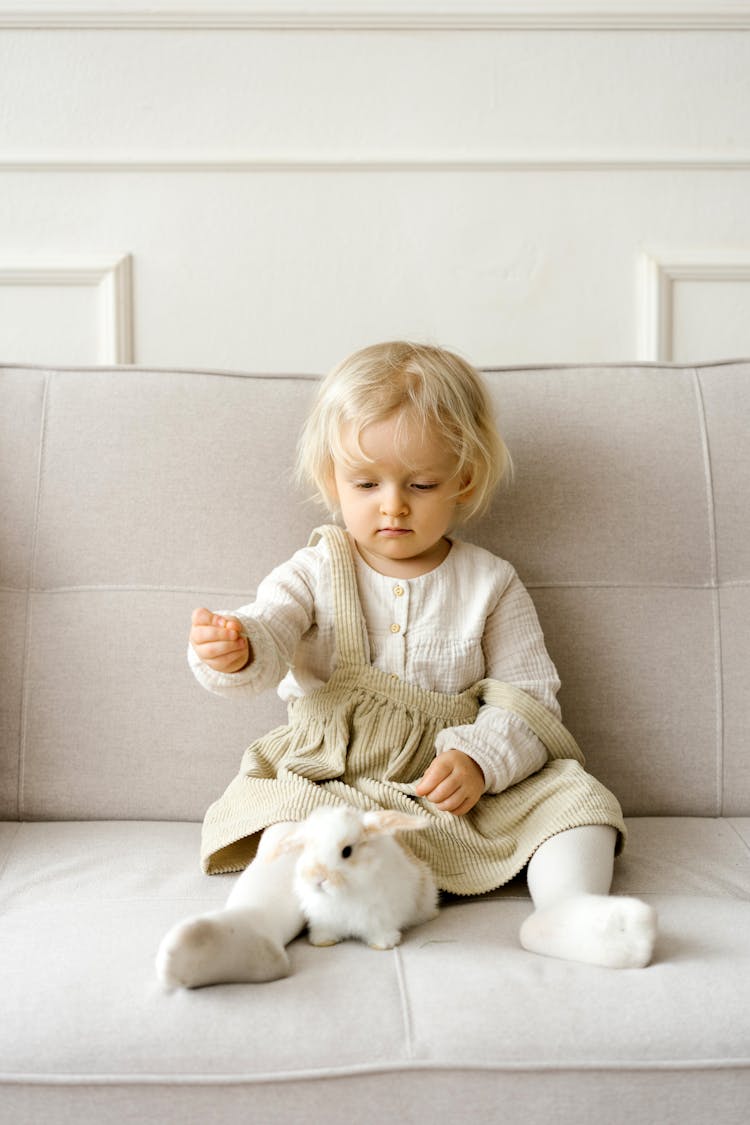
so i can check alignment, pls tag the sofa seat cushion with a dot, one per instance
(84, 905)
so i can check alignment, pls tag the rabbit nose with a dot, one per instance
(323, 878)
(317, 875)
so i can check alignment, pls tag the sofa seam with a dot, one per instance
(604, 585)
(728, 820)
(233, 373)
(145, 587)
(222, 373)
(29, 592)
(406, 1013)
(6, 858)
(134, 587)
(363, 1070)
(716, 599)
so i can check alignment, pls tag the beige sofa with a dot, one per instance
(129, 496)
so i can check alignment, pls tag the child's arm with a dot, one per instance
(252, 648)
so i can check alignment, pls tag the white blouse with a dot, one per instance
(468, 619)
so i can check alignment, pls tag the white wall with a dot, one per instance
(268, 186)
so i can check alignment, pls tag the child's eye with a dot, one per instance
(364, 484)
(346, 852)
(424, 487)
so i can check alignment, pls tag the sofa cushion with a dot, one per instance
(84, 906)
(626, 520)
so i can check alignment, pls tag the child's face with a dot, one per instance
(398, 513)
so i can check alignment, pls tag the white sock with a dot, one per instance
(245, 941)
(569, 879)
(227, 945)
(617, 933)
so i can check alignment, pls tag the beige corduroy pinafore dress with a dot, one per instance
(365, 738)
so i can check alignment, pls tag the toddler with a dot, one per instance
(417, 679)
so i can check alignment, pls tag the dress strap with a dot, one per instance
(548, 729)
(349, 620)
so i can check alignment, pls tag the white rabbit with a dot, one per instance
(353, 879)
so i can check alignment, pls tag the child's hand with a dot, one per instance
(454, 782)
(219, 641)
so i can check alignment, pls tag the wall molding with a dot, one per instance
(658, 271)
(364, 162)
(380, 15)
(110, 274)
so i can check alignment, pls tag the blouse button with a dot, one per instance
(398, 591)
(395, 628)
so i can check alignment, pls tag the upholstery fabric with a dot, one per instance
(85, 904)
(627, 521)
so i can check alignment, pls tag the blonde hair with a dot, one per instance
(434, 387)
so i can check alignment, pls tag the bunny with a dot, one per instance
(353, 879)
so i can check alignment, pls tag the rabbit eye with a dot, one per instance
(346, 852)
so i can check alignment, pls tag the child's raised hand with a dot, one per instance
(453, 781)
(219, 641)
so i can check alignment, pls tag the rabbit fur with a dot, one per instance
(354, 880)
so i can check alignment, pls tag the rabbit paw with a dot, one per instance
(322, 938)
(384, 941)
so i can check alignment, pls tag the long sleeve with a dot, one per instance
(282, 614)
(503, 745)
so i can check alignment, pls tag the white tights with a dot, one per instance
(569, 879)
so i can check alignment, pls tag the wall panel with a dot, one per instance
(289, 185)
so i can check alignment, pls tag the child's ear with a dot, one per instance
(467, 490)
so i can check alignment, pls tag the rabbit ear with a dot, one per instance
(388, 821)
(292, 842)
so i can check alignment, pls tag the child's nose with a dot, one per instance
(393, 502)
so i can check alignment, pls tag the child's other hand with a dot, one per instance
(454, 782)
(218, 641)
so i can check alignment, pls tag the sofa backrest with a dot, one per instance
(130, 496)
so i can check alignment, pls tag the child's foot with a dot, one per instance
(228, 946)
(617, 933)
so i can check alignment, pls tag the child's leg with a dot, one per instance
(569, 879)
(244, 941)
